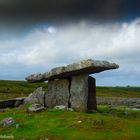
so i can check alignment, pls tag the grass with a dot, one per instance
(106, 124)
(127, 92)
(13, 89)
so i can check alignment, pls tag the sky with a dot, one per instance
(36, 36)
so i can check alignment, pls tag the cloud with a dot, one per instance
(59, 10)
(59, 45)
(73, 42)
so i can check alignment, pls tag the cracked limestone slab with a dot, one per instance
(57, 93)
(79, 93)
(83, 67)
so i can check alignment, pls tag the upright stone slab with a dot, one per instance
(58, 93)
(91, 103)
(79, 93)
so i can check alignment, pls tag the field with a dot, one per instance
(13, 89)
(107, 123)
(127, 92)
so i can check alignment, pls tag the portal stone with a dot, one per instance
(58, 93)
(91, 104)
(79, 93)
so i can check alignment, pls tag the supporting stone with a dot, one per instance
(91, 104)
(79, 93)
(58, 93)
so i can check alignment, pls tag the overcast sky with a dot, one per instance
(38, 35)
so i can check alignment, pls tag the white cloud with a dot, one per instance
(55, 46)
(73, 42)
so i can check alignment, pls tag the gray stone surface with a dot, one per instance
(79, 93)
(117, 101)
(38, 77)
(60, 107)
(35, 108)
(58, 93)
(84, 67)
(70, 85)
(7, 122)
(36, 97)
(12, 102)
(91, 104)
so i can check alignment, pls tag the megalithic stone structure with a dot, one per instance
(71, 85)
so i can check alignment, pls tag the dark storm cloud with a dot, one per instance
(102, 9)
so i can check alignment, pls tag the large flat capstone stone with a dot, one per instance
(84, 67)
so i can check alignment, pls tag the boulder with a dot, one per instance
(57, 93)
(36, 97)
(84, 67)
(79, 93)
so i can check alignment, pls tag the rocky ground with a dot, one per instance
(119, 101)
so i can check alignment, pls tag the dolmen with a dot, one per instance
(71, 85)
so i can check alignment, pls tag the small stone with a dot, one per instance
(35, 108)
(79, 121)
(70, 109)
(97, 122)
(7, 122)
(17, 126)
(60, 107)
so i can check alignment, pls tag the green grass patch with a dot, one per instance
(106, 124)
(13, 89)
(65, 125)
(129, 92)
